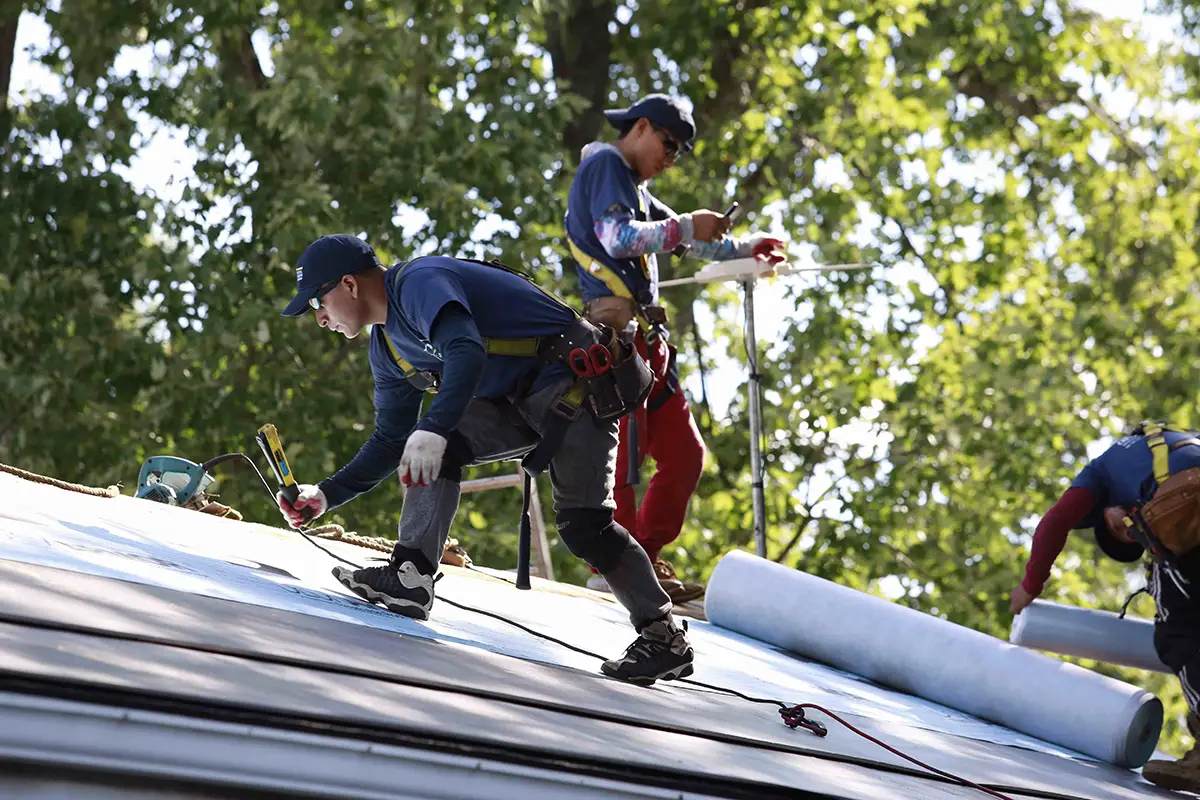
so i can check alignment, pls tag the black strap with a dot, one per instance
(633, 471)
(562, 412)
(1129, 600)
(554, 430)
(526, 535)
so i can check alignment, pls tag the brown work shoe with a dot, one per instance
(677, 590)
(1183, 774)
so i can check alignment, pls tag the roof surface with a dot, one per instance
(237, 632)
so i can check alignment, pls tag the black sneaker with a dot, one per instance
(661, 652)
(402, 589)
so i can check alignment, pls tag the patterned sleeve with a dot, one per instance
(624, 237)
(722, 249)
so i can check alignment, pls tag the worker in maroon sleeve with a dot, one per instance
(1142, 491)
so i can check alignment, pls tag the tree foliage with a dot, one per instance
(1022, 169)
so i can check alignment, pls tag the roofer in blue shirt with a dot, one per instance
(615, 229)
(1142, 495)
(496, 349)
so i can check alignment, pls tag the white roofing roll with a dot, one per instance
(1087, 633)
(935, 659)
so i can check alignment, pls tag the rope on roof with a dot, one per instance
(453, 553)
(111, 491)
(339, 534)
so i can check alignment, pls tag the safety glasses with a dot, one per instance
(314, 302)
(671, 145)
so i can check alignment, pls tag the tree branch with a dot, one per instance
(731, 94)
(808, 517)
(972, 82)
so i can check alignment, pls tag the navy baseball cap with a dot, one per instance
(325, 260)
(1111, 546)
(665, 112)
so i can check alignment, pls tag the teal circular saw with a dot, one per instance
(176, 481)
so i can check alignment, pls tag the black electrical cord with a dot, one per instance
(311, 539)
(793, 716)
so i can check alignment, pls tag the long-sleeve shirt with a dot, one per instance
(1051, 535)
(440, 311)
(617, 228)
(1122, 476)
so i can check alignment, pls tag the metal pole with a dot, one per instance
(756, 471)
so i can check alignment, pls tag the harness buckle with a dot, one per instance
(566, 408)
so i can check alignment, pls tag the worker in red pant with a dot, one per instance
(615, 228)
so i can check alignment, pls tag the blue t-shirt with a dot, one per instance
(503, 306)
(603, 181)
(1123, 475)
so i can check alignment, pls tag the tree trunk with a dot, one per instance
(8, 45)
(580, 46)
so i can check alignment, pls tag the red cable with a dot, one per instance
(894, 751)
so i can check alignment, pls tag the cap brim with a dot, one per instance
(616, 116)
(299, 304)
(1125, 552)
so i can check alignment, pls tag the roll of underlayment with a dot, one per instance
(1087, 633)
(935, 659)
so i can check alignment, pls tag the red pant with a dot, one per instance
(668, 433)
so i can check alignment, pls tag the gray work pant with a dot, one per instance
(582, 474)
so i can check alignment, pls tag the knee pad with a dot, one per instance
(593, 535)
(458, 455)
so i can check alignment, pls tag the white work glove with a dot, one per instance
(422, 459)
(310, 497)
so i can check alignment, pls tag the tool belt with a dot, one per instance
(613, 377)
(1168, 525)
(611, 381)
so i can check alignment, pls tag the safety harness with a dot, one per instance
(611, 380)
(430, 381)
(651, 320)
(1170, 542)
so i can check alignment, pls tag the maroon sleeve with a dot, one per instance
(1051, 535)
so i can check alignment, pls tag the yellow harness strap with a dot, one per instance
(574, 396)
(527, 346)
(601, 270)
(1159, 452)
(512, 347)
(610, 279)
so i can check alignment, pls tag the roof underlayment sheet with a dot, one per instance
(156, 608)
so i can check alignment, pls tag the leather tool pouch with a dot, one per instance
(1173, 514)
(618, 390)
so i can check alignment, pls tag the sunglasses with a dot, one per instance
(671, 145)
(314, 302)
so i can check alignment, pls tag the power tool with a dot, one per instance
(176, 481)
